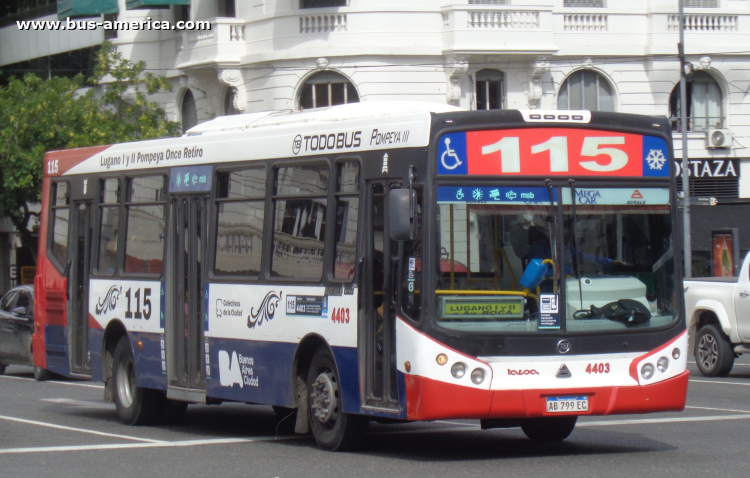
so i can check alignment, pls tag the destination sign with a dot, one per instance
(552, 152)
(190, 179)
(478, 308)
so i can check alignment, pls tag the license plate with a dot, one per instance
(567, 404)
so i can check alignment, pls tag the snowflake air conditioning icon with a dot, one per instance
(656, 159)
(477, 194)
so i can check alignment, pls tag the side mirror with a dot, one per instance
(402, 212)
(19, 312)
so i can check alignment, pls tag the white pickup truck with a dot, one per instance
(718, 317)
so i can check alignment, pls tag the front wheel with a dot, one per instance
(549, 429)
(713, 352)
(135, 405)
(333, 429)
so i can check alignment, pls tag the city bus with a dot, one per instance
(391, 261)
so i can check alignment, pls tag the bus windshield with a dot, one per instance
(602, 261)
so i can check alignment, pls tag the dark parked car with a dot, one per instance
(16, 327)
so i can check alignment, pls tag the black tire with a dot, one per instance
(713, 352)
(2, 369)
(41, 375)
(548, 429)
(332, 429)
(135, 405)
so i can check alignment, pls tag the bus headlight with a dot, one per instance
(477, 376)
(675, 353)
(441, 359)
(662, 364)
(458, 370)
(647, 371)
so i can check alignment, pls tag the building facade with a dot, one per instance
(477, 54)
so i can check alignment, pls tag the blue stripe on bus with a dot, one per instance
(56, 349)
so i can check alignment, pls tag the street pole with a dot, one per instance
(687, 249)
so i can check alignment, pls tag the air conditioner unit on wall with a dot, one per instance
(718, 138)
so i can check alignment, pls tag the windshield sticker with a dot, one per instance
(618, 196)
(549, 312)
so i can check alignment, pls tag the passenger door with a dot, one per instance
(186, 323)
(378, 283)
(81, 227)
(742, 301)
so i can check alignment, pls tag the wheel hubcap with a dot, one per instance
(324, 397)
(125, 382)
(708, 351)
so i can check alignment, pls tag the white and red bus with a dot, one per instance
(376, 260)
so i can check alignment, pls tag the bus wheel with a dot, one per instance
(333, 429)
(713, 352)
(135, 405)
(2, 369)
(549, 429)
(40, 374)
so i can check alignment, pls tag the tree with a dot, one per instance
(37, 116)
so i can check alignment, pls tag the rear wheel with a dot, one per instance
(40, 374)
(135, 405)
(2, 369)
(713, 352)
(549, 429)
(333, 429)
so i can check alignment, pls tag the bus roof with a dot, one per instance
(348, 128)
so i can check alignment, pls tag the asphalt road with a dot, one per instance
(62, 428)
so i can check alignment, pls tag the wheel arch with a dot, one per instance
(709, 312)
(304, 353)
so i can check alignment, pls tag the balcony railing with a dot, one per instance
(704, 23)
(322, 23)
(503, 20)
(585, 23)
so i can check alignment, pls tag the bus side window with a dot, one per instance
(239, 222)
(347, 215)
(299, 222)
(145, 226)
(109, 223)
(60, 218)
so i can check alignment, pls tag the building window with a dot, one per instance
(227, 9)
(701, 3)
(704, 101)
(584, 3)
(323, 3)
(189, 112)
(489, 87)
(327, 89)
(586, 90)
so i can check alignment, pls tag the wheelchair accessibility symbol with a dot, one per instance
(453, 161)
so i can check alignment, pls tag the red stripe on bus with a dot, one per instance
(428, 399)
(57, 163)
